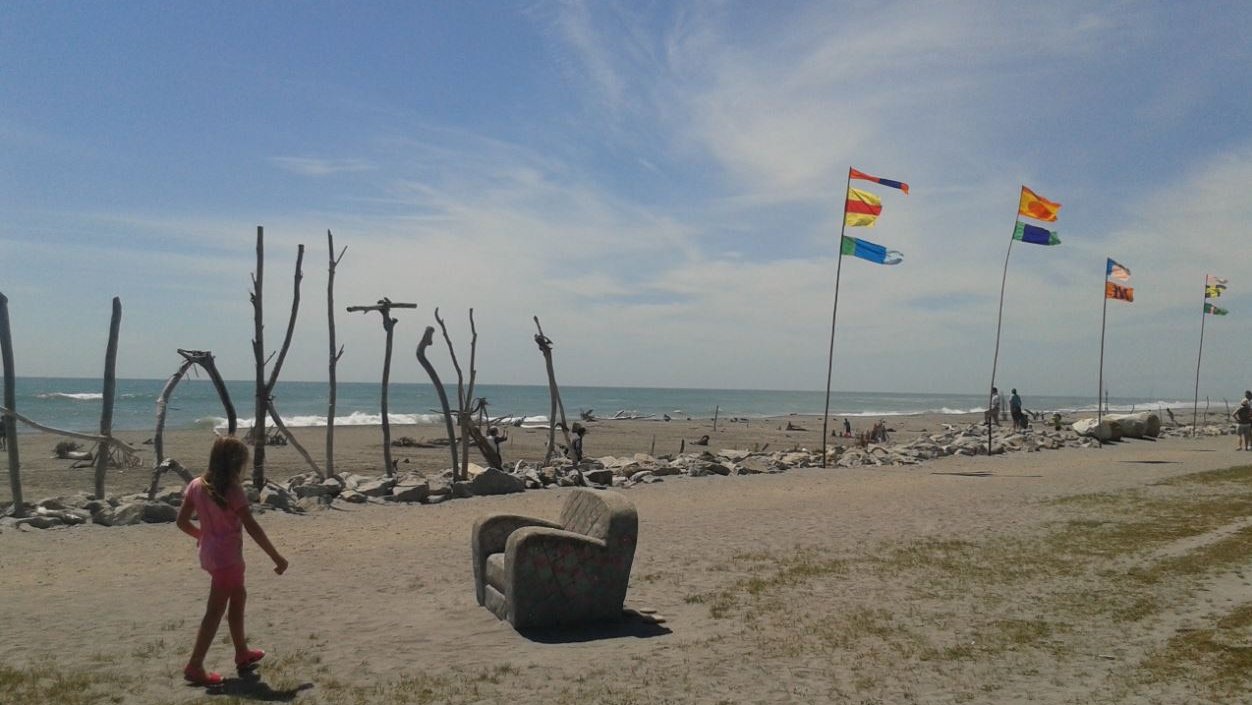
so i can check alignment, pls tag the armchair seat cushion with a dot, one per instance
(536, 573)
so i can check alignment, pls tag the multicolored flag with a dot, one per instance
(1213, 286)
(1121, 293)
(1117, 271)
(856, 247)
(1035, 206)
(854, 174)
(1035, 234)
(862, 208)
(1210, 308)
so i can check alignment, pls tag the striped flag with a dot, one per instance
(1117, 271)
(862, 208)
(854, 174)
(1032, 205)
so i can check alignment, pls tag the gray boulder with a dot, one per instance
(493, 481)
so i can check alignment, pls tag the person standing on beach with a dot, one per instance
(993, 411)
(218, 502)
(1015, 410)
(496, 438)
(576, 443)
(847, 428)
(1243, 417)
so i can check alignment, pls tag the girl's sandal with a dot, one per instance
(199, 676)
(249, 659)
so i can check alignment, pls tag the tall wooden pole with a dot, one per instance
(258, 354)
(10, 402)
(384, 307)
(1100, 379)
(1195, 408)
(834, 314)
(335, 354)
(995, 358)
(110, 388)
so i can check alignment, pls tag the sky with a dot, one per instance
(661, 183)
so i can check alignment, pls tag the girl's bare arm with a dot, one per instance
(258, 535)
(184, 521)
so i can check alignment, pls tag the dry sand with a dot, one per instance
(1029, 577)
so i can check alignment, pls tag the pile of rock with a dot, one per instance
(308, 492)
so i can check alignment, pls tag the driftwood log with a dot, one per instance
(167, 465)
(110, 391)
(384, 307)
(545, 347)
(272, 383)
(428, 338)
(204, 359)
(258, 356)
(332, 263)
(10, 402)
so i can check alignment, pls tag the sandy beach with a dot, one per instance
(1113, 575)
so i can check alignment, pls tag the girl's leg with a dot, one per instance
(208, 626)
(234, 618)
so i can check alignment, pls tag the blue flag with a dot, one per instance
(865, 249)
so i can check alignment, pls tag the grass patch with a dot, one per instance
(1215, 661)
(46, 684)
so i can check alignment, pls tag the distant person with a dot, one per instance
(1243, 417)
(1015, 410)
(993, 409)
(576, 442)
(221, 508)
(847, 428)
(496, 437)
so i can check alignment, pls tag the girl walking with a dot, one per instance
(218, 501)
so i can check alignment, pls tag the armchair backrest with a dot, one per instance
(607, 516)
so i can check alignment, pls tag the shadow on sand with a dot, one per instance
(632, 625)
(249, 686)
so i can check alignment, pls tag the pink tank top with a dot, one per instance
(221, 531)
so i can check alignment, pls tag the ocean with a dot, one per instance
(74, 404)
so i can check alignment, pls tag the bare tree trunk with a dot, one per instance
(282, 356)
(545, 347)
(10, 401)
(461, 415)
(258, 355)
(389, 324)
(384, 307)
(427, 339)
(110, 388)
(204, 359)
(158, 439)
(333, 262)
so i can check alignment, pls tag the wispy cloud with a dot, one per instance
(316, 166)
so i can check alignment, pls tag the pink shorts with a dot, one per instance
(227, 579)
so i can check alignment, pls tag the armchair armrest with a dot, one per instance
(554, 576)
(490, 535)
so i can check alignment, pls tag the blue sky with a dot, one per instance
(661, 183)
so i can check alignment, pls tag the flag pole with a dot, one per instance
(1100, 379)
(999, 317)
(1195, 408)
(830, 359)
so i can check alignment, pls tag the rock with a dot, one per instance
(269, 496)
(377, 487)
(755, 465)
(307, 491)
(411, 490)
(603, 476)
(474, 470)
(1104, 430)
(1139, 425)
(492, 481)
(40, 521)
(312, 503)
(462, 490)
(127, 514)
(353, 497)
(159, 513)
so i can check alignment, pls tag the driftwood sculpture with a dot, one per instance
(278, 366)
(204, 359)
(545, 347)
(110, 389)
(427, 338)
(467, 406)
(384, 307)
(333, 262)
(258, 356)
(10, 402)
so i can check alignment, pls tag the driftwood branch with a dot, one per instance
(291, 438)
(460, 394)
(10, 401)
(545, 347)
(110, 391)
(384, 307)
(168, 465)
(427, 339)
(332, 263)
(291, 323)
(260, 400)
(158, 439)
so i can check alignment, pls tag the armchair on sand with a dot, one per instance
(537, 573)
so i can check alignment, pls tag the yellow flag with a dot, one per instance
(862, 208)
